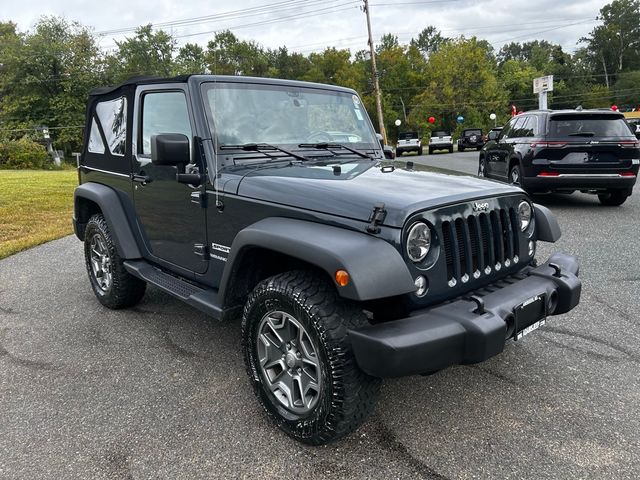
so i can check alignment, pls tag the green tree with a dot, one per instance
(613, 47)
(429, 41)
(190, 59)
(227, 55)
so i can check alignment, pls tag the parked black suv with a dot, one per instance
(470, 138)
(593, 151)
(232, 195)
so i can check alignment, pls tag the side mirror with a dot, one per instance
(170, 149)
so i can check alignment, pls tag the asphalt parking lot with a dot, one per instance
(160, 391)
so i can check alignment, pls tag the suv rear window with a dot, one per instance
(588, 126)
(408, 135)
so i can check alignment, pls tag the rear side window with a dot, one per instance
(112, 115)
(588, 126)
(164, 112)
(529, 127)
(96, 145)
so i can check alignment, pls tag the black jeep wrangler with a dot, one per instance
(272, 200)
(470, 138)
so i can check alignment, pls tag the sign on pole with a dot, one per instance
(541, 86)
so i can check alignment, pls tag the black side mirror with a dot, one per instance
(170, 149)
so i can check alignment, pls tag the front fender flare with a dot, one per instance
(547, 226)
(376, 268)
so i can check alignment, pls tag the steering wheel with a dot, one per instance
(319, 136)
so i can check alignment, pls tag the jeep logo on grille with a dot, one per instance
(480, 207)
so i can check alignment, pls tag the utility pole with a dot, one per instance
(374, 74)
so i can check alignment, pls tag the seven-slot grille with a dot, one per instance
(480, 244)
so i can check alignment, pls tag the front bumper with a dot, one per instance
(457, 332)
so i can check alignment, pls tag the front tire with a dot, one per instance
(460, 149)
(111, 283)
(613, 198)
(451, 149)
(299, 360)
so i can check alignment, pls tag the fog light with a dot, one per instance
(532, 248)
(421, 286)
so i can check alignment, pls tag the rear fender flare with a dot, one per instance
(376, 269)
(107, 199)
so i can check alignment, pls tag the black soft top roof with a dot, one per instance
(135, 81)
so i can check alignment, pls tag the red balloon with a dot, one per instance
(614, 108)
(432, 119)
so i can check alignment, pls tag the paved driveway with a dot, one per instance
(160, 390)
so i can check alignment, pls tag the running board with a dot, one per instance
(205, 300)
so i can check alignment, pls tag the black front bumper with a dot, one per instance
(460, 332)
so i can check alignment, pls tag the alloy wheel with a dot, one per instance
(100, 263)
(289, 362)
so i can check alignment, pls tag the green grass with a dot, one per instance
(35, 207)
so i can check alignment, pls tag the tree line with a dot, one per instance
(47, 72)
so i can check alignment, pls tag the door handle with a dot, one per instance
(143, 179)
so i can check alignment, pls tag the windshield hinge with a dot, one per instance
(376, 218)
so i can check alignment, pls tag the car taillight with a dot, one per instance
(629, 144)
(548, 144)
(548, 174)
(627, 174)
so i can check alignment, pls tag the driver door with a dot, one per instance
(172, 225)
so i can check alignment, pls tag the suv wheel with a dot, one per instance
(421, 151)
(112, 284)
(430, 151)
(303, 371)
(613, 198)
(515, 175)
(460, 148)
(451, 149)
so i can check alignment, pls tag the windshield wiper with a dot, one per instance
(261, 148)
(335, 146)
(582, 134)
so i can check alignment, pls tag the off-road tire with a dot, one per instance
(613, 198)
(347, 395)
(430, 151)
(450, 149)
(125, 290)
(460, 149)
(421, 151)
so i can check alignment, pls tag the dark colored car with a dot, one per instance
(593, 151)
(233, 195)
(470, 138)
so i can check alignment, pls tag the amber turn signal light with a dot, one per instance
(342, 278)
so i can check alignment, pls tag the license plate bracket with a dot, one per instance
(529, 316)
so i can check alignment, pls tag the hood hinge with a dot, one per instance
(376, 218)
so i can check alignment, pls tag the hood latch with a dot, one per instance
(376, 218)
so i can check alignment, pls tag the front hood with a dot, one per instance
(358, 187)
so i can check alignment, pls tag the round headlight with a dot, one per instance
(418, 242)
(524, 212)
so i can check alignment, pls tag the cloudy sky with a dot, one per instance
(312, 25)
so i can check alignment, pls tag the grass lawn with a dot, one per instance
(35, 206)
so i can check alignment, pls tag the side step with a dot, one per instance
(205, 300)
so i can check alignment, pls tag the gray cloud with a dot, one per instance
(313, 25)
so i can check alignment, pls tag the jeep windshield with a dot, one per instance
(289, 117)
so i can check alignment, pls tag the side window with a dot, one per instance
(517, 129)
(528, 126)
(96, 145)
(507, 131)
(163, 112)
(536, 126)
(113, 119)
